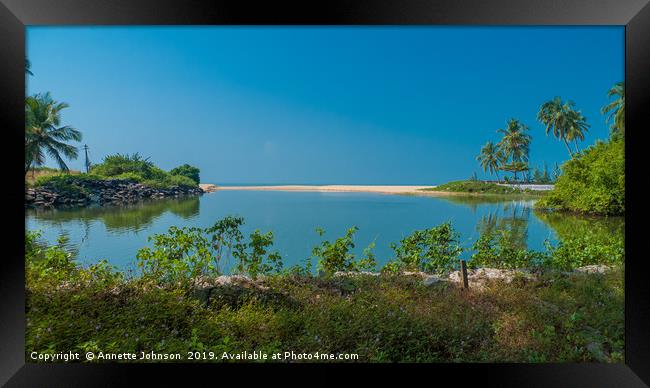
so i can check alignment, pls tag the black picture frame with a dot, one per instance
(633, 14)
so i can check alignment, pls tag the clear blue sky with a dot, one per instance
(366, 105)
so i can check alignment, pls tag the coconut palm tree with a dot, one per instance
(515, 146)
(616, 108)
(577, 126)
(44, 133)
(490, 158)
(567, 123)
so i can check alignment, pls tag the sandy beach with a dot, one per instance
(335, 188)
(382, 189)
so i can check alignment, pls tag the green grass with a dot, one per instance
(557, 318)
(480, 187)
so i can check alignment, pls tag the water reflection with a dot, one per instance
(125, 218)
(475, 202)
(601, 229)
(512, 217)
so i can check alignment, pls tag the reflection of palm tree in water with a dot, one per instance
(86, 231)
(514, 219)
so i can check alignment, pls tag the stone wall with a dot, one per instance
(82, 193)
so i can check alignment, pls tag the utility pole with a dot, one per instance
(87, 161)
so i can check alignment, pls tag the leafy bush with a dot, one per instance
(254, 257)
(179, 180)
(337, 256)
(169, 181)
(593, 182)
(184, 254)
(118, 164)
(430, 250)
(178, 256)
(188, 171)
(498, 249)
(52, 262)
(129, 176)
(588, 249)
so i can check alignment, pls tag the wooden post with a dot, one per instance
(463, 273)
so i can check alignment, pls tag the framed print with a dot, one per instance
(210, 187)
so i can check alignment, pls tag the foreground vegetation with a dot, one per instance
(178, 304)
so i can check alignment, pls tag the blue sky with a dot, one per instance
(319, 105)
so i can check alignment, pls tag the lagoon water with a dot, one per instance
(116, 233)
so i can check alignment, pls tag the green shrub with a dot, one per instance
(499, 249)
(587, 249)
(188, 171)
(178, 256)
(254, 258)
(593, 182)
(430, 250)
(118, 164)
(129, 176)
(52, 262)
(183, 254)
(180, 180)
(338, 256)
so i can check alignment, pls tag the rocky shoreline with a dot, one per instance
(100, 192)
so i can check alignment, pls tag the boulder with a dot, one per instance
(597, 268)
(431, 280)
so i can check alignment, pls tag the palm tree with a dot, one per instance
(490, 158)
(616, 108)
(43, 133)
(577, 126)
(567, 123)
(515, 146)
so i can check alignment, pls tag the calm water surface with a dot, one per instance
(116, 233)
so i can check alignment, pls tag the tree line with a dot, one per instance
(563, 121)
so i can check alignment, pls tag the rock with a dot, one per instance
(598, 268)
(431, 280)
(208, 187)
(356, 273)
(102, 192)
(479, 277)
(596, 350)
